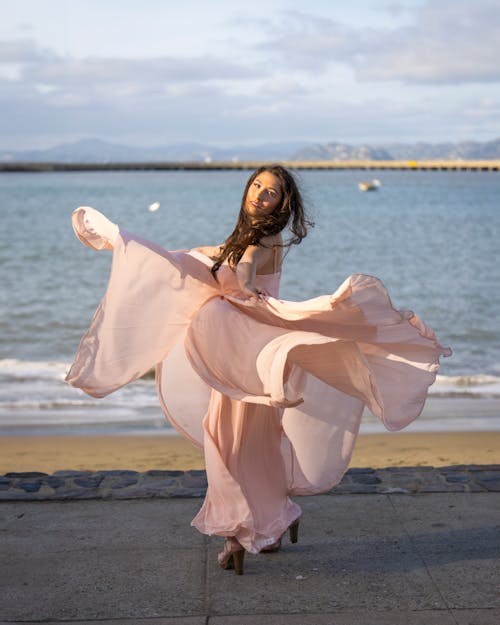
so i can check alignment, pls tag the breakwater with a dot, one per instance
(427, 165)
(125, 484)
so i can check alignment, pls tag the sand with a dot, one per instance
(140, 453)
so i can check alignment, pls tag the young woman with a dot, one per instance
(272, 390)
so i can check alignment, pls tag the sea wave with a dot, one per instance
(11, 368)
(25, 383)
(34, 398)
(24, 370)
(34, 393)
(477, 385)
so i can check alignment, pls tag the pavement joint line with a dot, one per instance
(126, 484)
(422, 559)
(206, 582)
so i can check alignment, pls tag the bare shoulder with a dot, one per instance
(269, 254)
(272, 240)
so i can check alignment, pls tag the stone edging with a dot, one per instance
(70, 485)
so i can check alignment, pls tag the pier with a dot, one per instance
(427, 165)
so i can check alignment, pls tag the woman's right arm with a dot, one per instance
(208, 250)
(254, 257)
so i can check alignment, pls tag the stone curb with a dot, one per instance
(123, 484)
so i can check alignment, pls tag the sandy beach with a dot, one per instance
(141, 453)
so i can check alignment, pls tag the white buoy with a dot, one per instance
(154, 207)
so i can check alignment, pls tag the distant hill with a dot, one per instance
(97, 151)
(340, 152)
(466, 150)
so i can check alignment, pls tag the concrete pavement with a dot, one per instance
(361, 559)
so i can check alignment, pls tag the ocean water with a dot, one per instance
(432, 237)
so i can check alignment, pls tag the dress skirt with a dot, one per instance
(247, 494)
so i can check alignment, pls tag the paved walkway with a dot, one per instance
(362, 559)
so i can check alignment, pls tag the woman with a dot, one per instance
(273, 390)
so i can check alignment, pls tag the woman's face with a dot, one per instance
(264, 195)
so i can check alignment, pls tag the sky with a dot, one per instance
(224, 72)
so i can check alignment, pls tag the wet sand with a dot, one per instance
(141, 453)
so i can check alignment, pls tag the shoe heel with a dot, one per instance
(294, 531)
(238, 557)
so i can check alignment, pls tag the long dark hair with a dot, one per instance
(250, 231)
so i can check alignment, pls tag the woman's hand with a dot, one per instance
(252, 292)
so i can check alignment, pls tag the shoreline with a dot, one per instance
(148, 452)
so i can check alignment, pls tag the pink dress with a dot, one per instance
(273, 391)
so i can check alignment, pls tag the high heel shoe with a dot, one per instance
(232, 556)
(293, 529)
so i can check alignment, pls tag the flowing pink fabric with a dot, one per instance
(273, 391)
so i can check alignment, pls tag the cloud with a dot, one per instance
(307, 41)
(447, 42)
(294, 76)
(66, 97)
(450, 42)
(115, 71)
(23, 51)
(161, 119)
(282, 86)
(64, 82)
(211, 115)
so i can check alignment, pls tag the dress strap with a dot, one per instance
(276, 266)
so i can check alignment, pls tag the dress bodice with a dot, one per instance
(268, 282)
